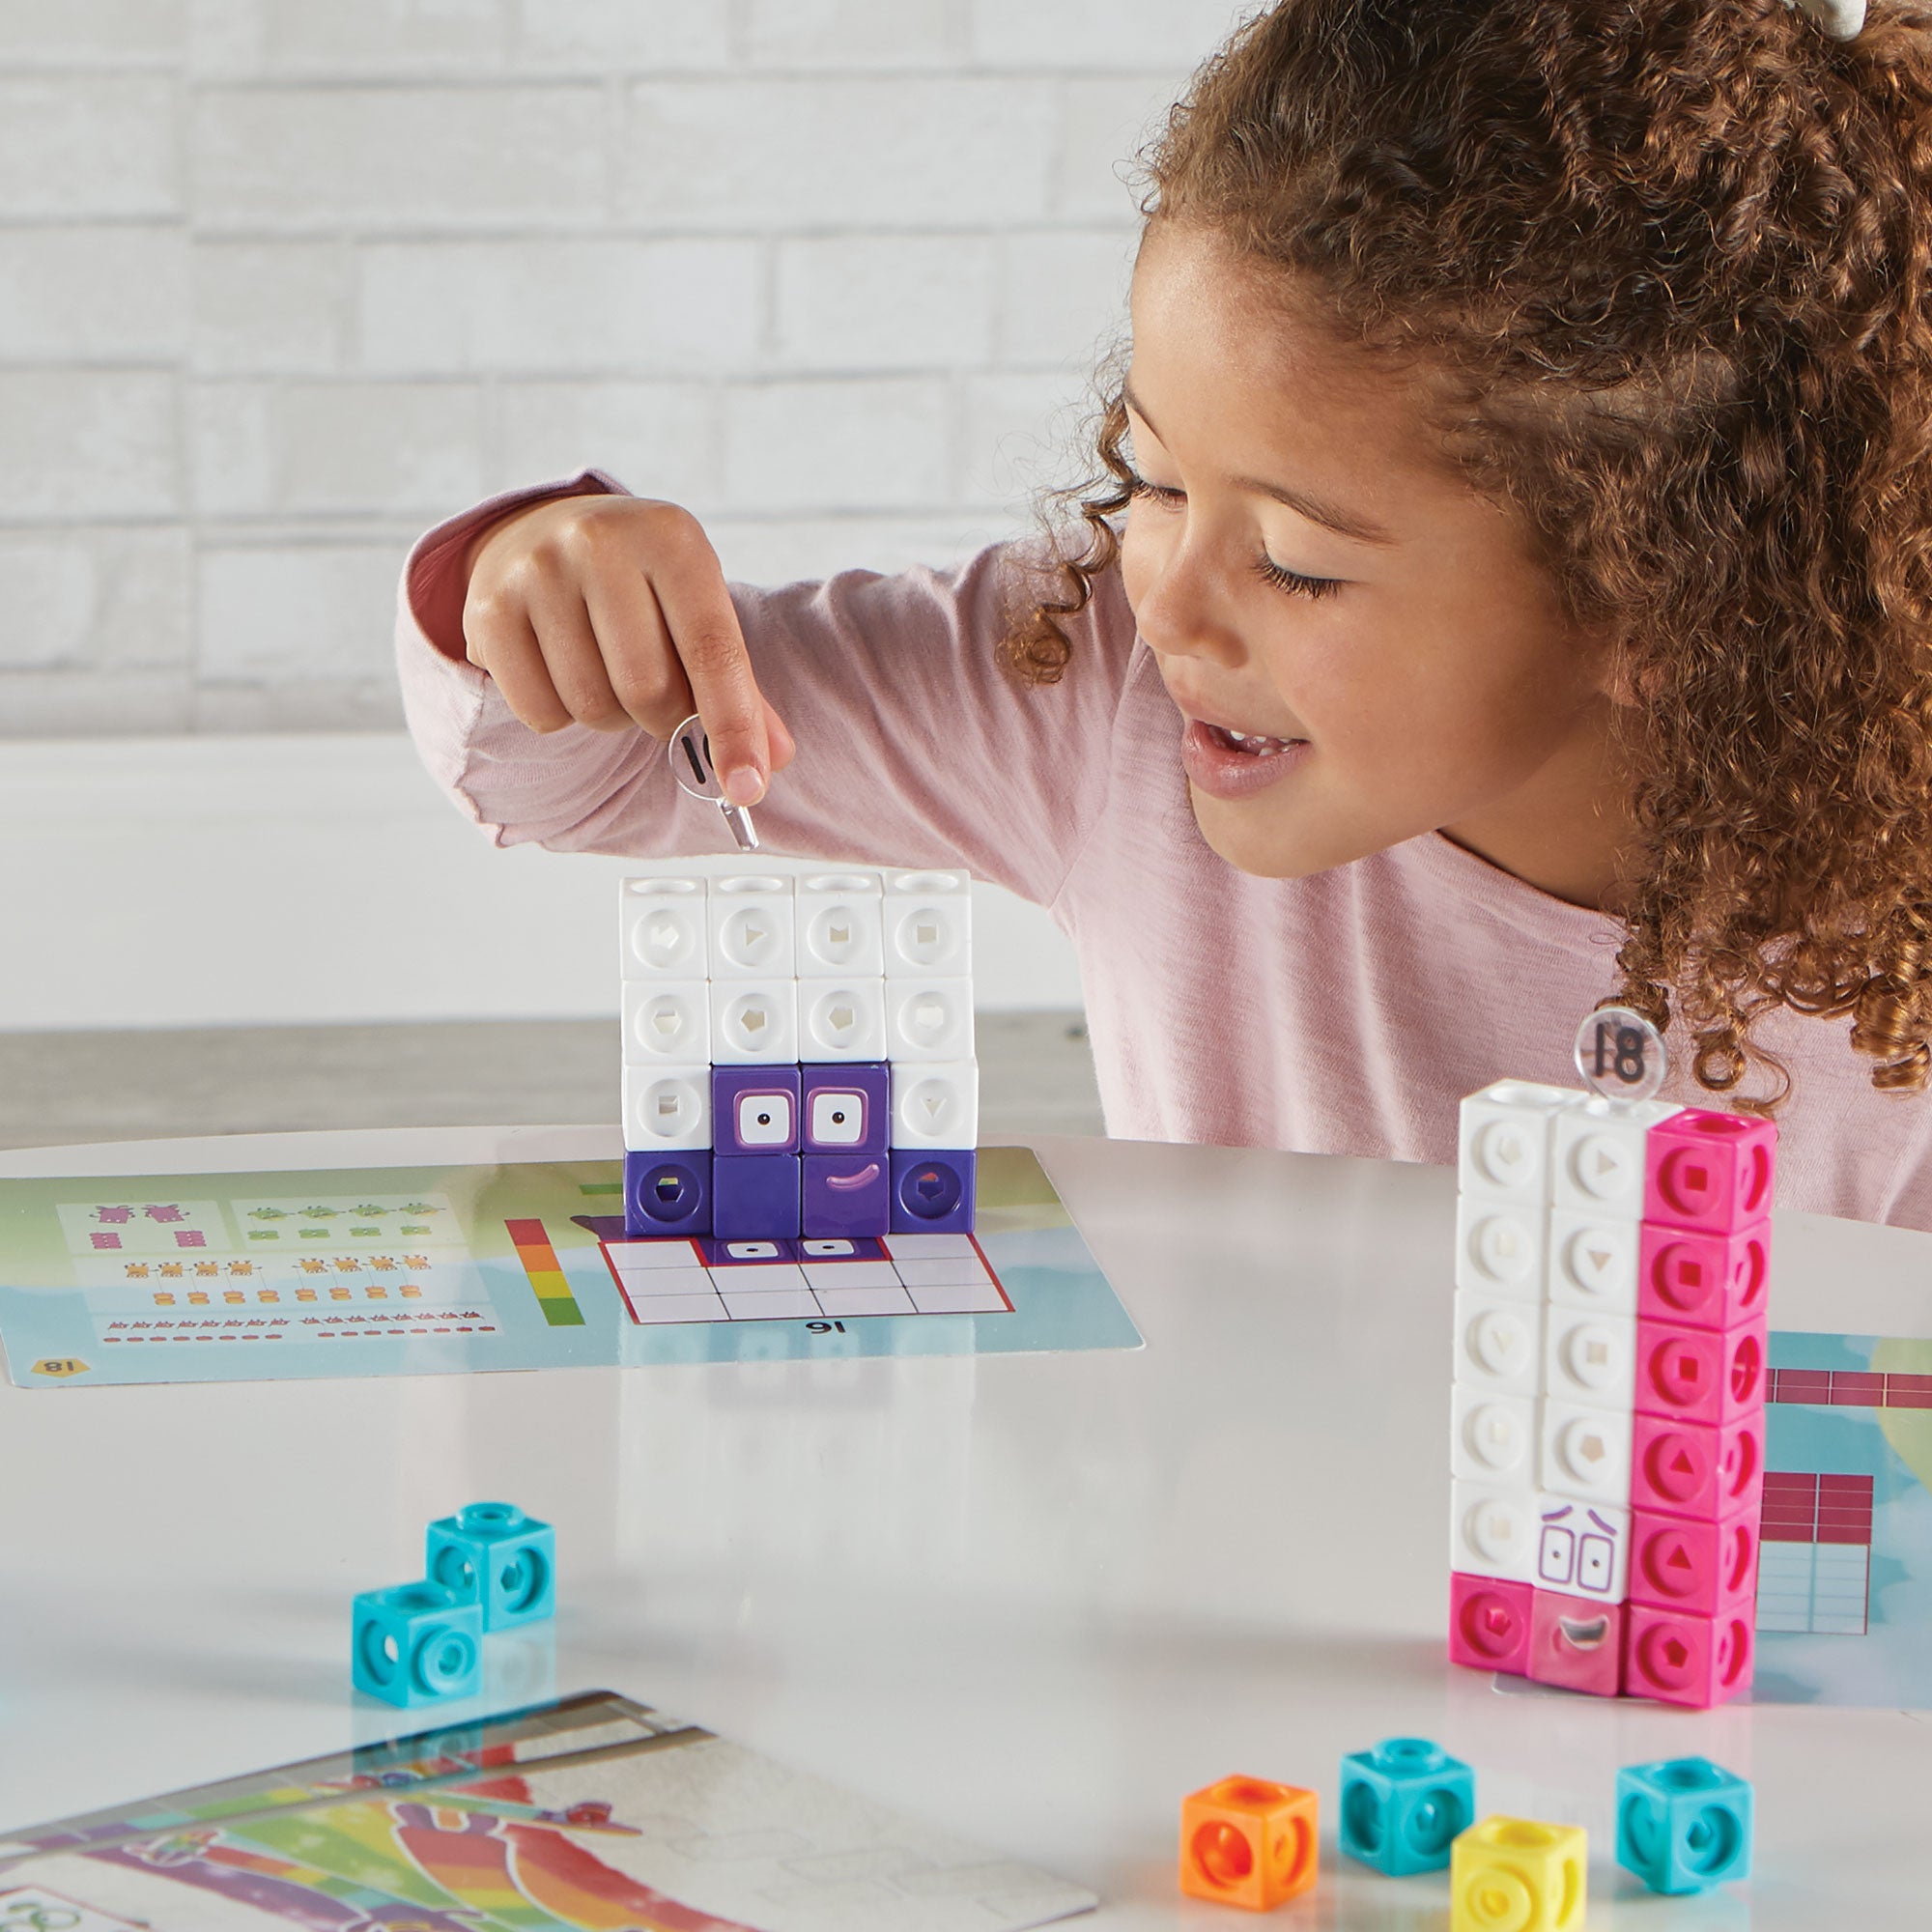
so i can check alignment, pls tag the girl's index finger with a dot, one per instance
(704, 632)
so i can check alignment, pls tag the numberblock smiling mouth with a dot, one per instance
(1585, 1632)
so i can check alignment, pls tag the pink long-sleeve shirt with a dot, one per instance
(1345, 1013)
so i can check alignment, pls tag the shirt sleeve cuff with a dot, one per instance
(433, 577)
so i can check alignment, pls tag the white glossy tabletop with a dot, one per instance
(1037, 1598)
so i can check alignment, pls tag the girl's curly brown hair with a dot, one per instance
(1674, 257)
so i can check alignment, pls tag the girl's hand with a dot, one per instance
(612, 611)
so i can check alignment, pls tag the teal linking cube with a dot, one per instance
(1684, 1824)
(493, 1555)
(416, 1645)
(1403, 1803)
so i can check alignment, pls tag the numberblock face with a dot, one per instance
(1582, 1550)
(837, 1118)
(765, 1119)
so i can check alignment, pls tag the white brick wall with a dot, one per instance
(281, 284)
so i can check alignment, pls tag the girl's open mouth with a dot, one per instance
(1232, 764)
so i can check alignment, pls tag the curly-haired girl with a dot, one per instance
(1508, 586)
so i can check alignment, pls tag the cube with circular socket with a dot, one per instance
(1249, 1841)
(1684, 1824)
(1519, 1873)
(840, 927)
(751, 922)
(928, 926)
(420, 1643)
(857, 986)
(1404, 1804)
(662, 928)
(493, 1555)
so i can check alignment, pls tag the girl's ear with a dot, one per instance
(1615, 674)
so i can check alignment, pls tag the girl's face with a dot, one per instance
(1362, 649)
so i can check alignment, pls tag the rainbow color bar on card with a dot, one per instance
(547, 1279)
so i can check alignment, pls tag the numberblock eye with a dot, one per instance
(765, 1119)
(837, 1118)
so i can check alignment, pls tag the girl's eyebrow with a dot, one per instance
(1345, 524)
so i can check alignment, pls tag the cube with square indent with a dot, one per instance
(928, 924)
(666, 1109)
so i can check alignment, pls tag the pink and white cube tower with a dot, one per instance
(1606, 1451)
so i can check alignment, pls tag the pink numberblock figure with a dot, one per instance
(1607, 1456)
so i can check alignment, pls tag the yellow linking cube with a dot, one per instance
(1515, 1875)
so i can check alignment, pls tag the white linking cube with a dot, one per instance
(1498, 1343)
(1582, 1549)
(929, 1019)
(753, 1022)
(1503, 1141)
(662, 929)
(1585, 1453)
(1590, 1359)
(1499, 1247)
(841, 932)
(1593, 1261)
(936, 1104)
(1493, 1532)
(666, 1109)
(667, 1023)
(1493, 1437)
(928, 924)
(842, 1020)
(1597, 1161)
(751, 928)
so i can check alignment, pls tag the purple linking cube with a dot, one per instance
(754, 1196)
(846, 1196)
(667, 1195)
(932, 1193)
(848, 1110)
(755, 1109)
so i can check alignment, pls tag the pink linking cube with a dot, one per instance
(1679, 1563)
(1577, 1642)
(1489, 1623)
(1708, 1170)
(1695, 1469)
(1702, 1279)
(1694, 1375)
(1681, 1659)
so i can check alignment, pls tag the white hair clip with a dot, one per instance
(1841, 19)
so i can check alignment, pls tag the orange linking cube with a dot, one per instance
(1245, 1841)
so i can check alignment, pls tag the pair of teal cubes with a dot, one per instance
(1683, 1825)
(487, 1568)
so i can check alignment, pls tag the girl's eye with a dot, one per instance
(1270, 572)
(1266, 567)
(1158, 492)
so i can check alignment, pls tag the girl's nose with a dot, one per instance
(1179, 613)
